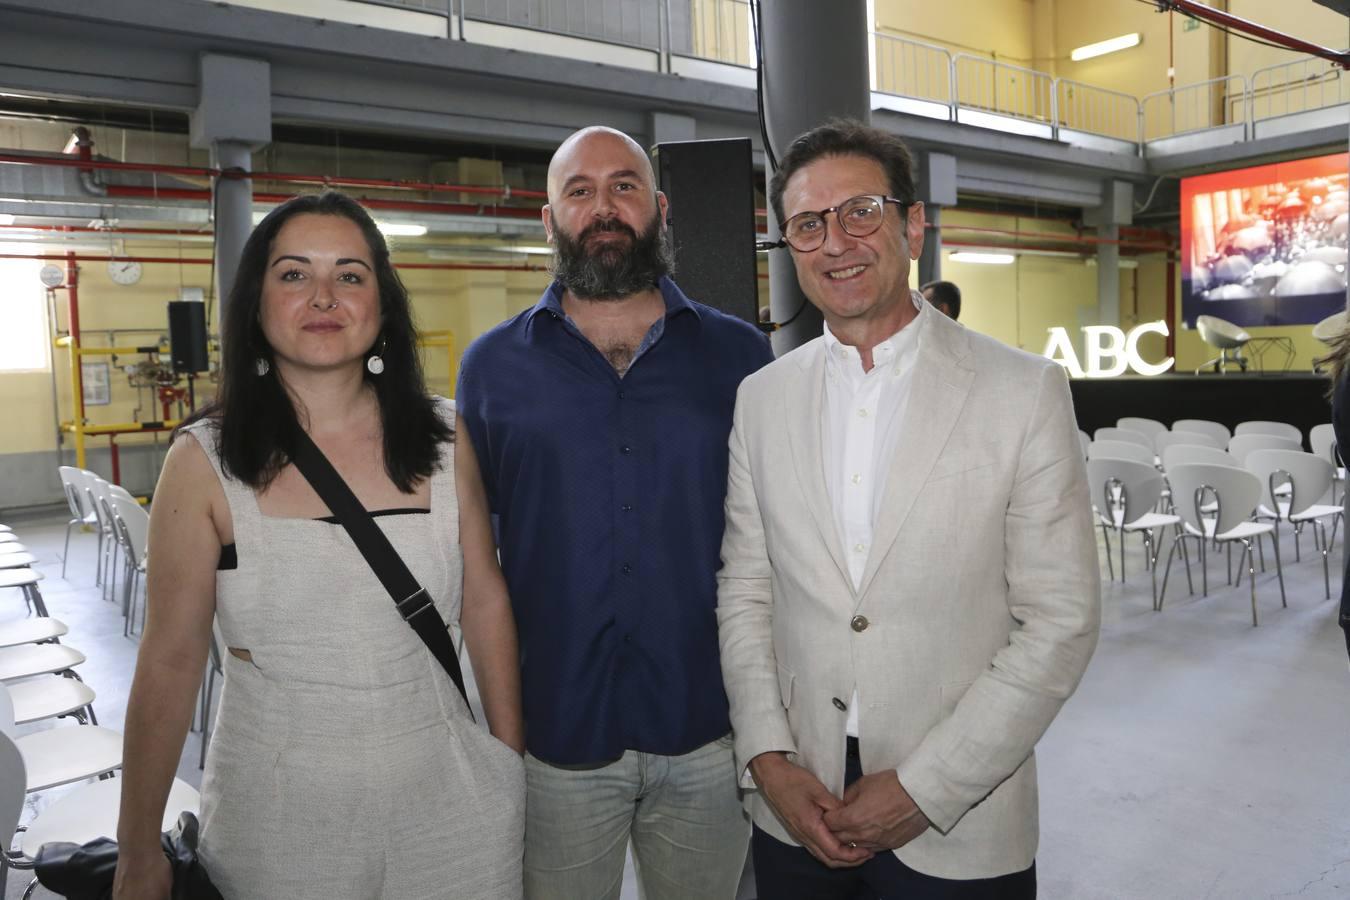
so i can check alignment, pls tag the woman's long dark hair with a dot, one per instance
(257, 421)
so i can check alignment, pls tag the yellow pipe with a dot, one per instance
(444, 339)
(78, 399)
(119, 351)
(121, 428)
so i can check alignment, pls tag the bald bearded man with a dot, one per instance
(601, 418)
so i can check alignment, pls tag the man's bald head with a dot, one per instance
(574, 154)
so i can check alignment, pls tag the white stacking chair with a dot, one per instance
(38, 630)
(1129, 492)
(99, 500)
(1122, 434)
(1150, 428)
(9, 538)
(1263, 426)
(13, 547)
(72, 483)
(27, 660)
(1243, 444)
(62, 755)
(5, 529)
(1216, 430)
(80, 815)
(1193, 438)
(1185, 454)
(133, 524)
(1309, 478)
(14, 573)
(1120, 450)
(1234, 493)
(1322, 440)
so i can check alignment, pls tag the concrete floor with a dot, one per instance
(1200, 758)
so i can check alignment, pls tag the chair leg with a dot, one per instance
(1151, 556)
(1251, 573)
(1186, 556)
(35, 599)
(1122, 554)
(1326, 575)
(98, 557)
(1204, 567)
(1167, 570)
(1110, 569)
(1279, 571)
(65, 552)
(1298, 533)
(1261, 554)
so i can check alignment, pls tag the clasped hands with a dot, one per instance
(875, 814)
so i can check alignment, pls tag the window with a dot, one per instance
(23, 315)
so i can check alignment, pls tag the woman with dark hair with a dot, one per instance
(344, 761)
(1338, 360)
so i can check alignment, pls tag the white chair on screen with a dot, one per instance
(1185, 454)
(1234, 493)
(1191, 438)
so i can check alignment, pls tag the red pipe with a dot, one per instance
(424, 206)
(1065, 238)
(73, 322)
(1228, 20)
(34, 159)
(198, 261)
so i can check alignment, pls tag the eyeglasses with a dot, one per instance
(858, 216)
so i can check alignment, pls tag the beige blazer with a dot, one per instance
(979, 605)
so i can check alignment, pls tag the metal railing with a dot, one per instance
(722, 32)
(636, 23)
(1002, 88)
(1095, 110)
(1298, 86)
(914, 69)
(1194, 107)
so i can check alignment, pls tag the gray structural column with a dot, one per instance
(937, 188)
(815, 68)
(233, 118)
(1117, 209)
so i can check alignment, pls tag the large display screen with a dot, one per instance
(1266, 245)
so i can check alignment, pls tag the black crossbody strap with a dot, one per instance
(410, 598)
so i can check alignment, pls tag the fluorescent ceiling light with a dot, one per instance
(1101, 48)
(400, 229)
(6, 219)
(988, 259)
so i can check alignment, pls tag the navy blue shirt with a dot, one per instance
(609, 496)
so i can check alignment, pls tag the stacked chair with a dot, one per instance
(40, 690)
(1215, 487)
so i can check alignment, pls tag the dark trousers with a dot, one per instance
(784, 872)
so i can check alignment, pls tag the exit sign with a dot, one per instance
(1190, 25)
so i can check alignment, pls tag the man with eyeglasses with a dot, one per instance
(909, 588)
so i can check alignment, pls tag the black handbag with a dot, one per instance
(410, 599)
(86, 871)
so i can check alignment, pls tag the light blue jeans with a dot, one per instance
(683, 814)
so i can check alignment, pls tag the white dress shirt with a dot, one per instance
(862, 412)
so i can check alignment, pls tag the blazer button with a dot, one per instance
(859, 623)
(839, 704)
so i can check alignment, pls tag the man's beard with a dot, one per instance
(611, 271)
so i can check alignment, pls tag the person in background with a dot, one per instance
(1339, 394)
(945, 296)
(344, 761)
(601, 418)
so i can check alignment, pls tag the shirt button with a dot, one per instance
(859, 547)
(626, 507)
(839, 704)
(859, 623)
(625, 449)
(857, 478)
(862, 413)
(627, 569)
(621, 395)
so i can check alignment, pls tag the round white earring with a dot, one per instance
(375, 364)
(262, 366)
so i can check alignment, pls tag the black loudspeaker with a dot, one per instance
(187, 336)
(711, 188)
